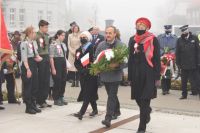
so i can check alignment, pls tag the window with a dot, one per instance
(22, 17)
(40, 15)
(49, 17)
(12, 17)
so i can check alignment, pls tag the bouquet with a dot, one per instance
(107, 57)
(167, 61)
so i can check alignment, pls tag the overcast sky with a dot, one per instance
(124, 12)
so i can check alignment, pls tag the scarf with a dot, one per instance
(147, 40)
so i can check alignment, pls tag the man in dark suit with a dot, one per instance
(96, 37)
(96, 40)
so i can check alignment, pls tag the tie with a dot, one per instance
(33, 49)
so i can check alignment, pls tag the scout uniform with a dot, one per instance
(28, 53)
(43, 67)
(58, 53)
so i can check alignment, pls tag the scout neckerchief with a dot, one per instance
(32, 47)
(147, 41)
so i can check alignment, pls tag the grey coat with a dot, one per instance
(115, 75)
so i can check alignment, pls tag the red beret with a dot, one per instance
(145, 21)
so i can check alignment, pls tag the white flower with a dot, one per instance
(109, 54)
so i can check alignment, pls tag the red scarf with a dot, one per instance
(147, 40)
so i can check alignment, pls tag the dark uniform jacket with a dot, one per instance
(188, 52)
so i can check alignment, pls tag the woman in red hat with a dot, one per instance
(144, 69)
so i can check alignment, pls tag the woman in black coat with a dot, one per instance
(84, 57)
(144, 69)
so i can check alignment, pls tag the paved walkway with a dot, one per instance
(60, 120)
(170, 115)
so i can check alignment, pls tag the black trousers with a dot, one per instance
(1, 81)
(165, 84)
(30, 84)
(185, 76)
(60, 78)
(10, 85)
(1, 94)
(43, 79)
(85, 105)
(194, 88)
(145, 110)
(113, 105)
(72, 75)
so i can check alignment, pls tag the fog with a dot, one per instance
(88, 13)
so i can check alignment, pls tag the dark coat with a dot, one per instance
(141, 75)
(97, 41)
(188, 52)
(88, 82)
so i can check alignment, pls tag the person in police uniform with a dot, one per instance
(58, 67)
(188, 59)
(167, 43)
(89, 86)
(30, 58)
(42, 39)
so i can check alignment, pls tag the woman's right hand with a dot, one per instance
(54, 71)
(28, 73)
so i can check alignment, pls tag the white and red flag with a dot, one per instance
(85, 60)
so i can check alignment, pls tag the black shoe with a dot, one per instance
(73, 84)
(2, 108)
(94, 112)
(106, 123)
(193, 94)
(63, 101)
(183, 97)
(164, 92)
(114, 117)
(141, 131)
(118, 113)
(58, 103)
(30, 111)
(34, 107)
(77, 84)
(78, 115)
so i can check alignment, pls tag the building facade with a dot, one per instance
(19, 14)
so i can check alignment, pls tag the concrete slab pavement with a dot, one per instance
(60, 120)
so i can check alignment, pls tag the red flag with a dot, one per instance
(5, 46)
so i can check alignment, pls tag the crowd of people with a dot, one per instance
(46, 63)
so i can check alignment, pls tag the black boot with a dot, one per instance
(94, 112)
(2, 108)
(77, 83)
(73, 84)
(35, 108)
(78, 115)
(106, 122)
(29, 109)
